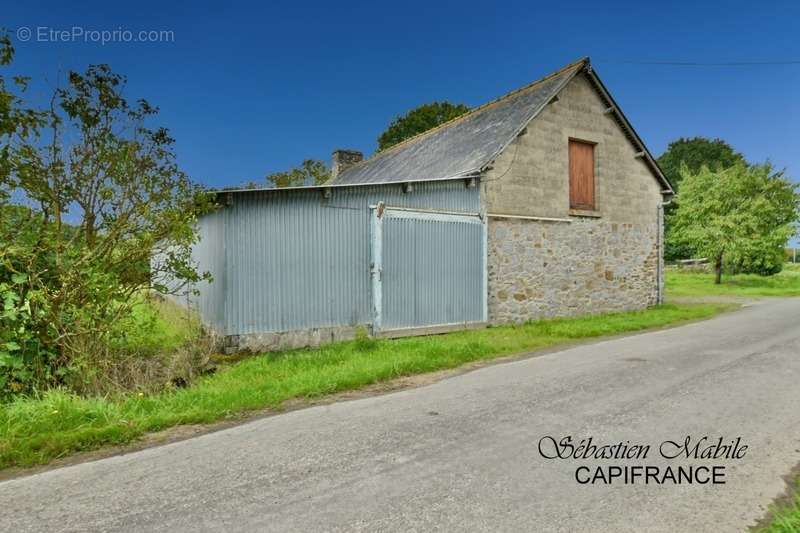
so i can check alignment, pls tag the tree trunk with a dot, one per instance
(718, 271)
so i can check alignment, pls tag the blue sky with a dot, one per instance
(251, 88)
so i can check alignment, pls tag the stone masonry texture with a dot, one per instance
(602, 261)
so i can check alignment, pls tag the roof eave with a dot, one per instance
(631, 132)
(460, 176)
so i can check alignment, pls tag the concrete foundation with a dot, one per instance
(285, 340)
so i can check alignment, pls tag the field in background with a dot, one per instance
(38, 430)
(691, 283)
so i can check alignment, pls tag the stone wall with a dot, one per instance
(545, 269)
(587, 262)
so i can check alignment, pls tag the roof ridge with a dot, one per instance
(580, 62)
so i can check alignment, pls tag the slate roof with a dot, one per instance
(463, 146)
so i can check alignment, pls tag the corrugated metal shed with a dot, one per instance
(210, 298)
(299, 259)
(286, 260)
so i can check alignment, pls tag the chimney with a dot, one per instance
(344, 159)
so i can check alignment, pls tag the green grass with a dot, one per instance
(37, 430)
(156, 325)
(786, 517)
(684, 283)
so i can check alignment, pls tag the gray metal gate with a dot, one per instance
(428, 268)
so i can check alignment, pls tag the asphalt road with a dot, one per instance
(462, 454)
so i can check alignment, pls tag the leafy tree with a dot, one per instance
(310, 172)
(743, 214)
(17, 123)
(418, 120)
(693, 152)
(105, 195)
(696, 152)
(17, 127)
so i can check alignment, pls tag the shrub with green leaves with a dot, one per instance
(22, 358)
(98, 193)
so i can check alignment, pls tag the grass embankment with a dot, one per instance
(686, 283)
(786, 517)
(37, 430)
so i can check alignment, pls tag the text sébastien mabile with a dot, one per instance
(709, 452)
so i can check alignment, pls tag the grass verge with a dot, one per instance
(685, 283)
(785, 518)
(38, 430)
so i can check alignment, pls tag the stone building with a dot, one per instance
(559, 254)
(544, 202)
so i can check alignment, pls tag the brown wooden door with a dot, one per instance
(581, 175)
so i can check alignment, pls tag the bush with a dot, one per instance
(113, 217)
(159, 345)
(155, 345)
(24, 361)
(763, 263)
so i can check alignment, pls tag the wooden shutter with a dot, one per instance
(581, 175)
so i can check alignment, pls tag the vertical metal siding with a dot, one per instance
(295, 260)
(432, 272)
(207, 253)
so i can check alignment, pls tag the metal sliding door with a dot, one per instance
(428, 268)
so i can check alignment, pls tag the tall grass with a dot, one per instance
(37, 430)
(154, 346)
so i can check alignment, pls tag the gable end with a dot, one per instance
(627, 128)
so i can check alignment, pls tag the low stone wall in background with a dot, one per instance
(541, 269)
